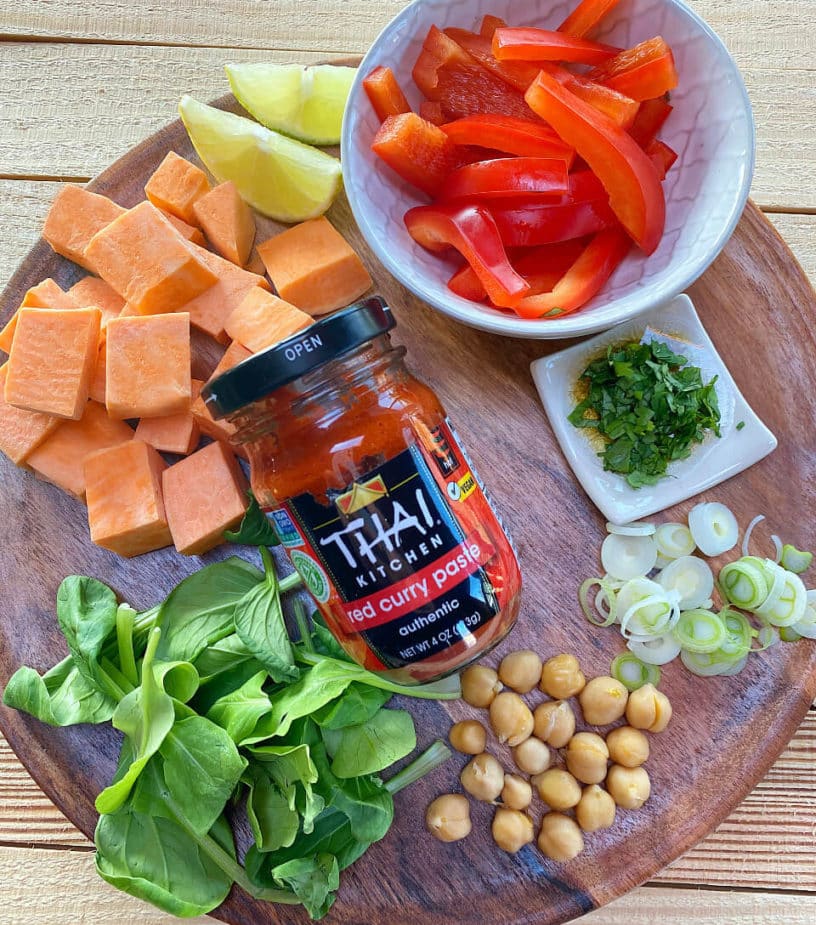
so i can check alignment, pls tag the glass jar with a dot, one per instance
(372, 496)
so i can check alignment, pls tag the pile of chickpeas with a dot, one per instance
(565, 768)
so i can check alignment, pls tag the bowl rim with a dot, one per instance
(577, 324)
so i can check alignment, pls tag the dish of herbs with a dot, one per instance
(650, 407)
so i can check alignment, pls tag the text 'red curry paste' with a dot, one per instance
(373, 497)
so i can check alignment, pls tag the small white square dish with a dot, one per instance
(744, 438)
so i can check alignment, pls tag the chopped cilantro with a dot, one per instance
(740, 425)
(649, 405)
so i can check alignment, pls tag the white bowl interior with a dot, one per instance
(711, 129)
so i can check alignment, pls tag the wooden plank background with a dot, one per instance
(81, 81)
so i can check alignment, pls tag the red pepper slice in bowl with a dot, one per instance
(663, 157)
(626, 172)
(519, 74)
(506, 177)
(620, 109)
(473, 232)
(650, 118)
(385, 93)
(489, 25)
(505, 133)
(642, 73)
(421, 153)
(535, 223)
(528, 44)
(586, 16)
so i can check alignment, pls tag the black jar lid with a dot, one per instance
(318, 344)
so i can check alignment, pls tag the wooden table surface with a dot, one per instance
(81, 81)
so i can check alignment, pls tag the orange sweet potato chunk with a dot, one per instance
(52, 360)
(227, 221)
(46, 294)
(144, 258)
(204, 495)
(222, 429)
(188, 232)
(91, 290)
(96, 391)
(147, 367)
(263, 319)
(175, 433)
(76, 215)
(210, 310)
(313, 267)
(21, 432)
(124, 497)
(176, 186)
(61, 457)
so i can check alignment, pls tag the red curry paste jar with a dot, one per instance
(373, 497)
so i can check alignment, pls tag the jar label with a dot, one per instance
(405, 551)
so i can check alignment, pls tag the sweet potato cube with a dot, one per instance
(204, 494)
(188, 232)
(263, 319)
(21, 432)
(46, 294)
(97, 389)
(144, 258)
(176, 185)
(210, 310)
(124, 497)
(52, 360)
(227, 221)
(76, 215)
(175, 433)
(313, 267)
(61, 457)
(222, 429)
(147, 367)
(94, 291)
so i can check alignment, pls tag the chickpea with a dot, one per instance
(586, 757)
(595, 809)
(480, 685)
(648, 709)
(511, 829)
(468, 737)
(554, 722)
(560, 839)
(562, 677)
(627, 746)
(521, 670)
(483, 777)
(517, 792)
(629, 787)
(532, 756)
(603, 701)
(510, 718)
(558, 788)
(448, 817)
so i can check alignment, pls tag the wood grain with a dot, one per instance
(752, 280)
(119, 94)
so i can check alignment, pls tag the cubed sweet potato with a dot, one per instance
(227, 222)
(75, 216)
(21, 432)
(175, 433)
(46, 294)
(176, 185)
(263, 319)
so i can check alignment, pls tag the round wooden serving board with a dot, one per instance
(760, 310)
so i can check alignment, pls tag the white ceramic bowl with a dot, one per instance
(711, 129)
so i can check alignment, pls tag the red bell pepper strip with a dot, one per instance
(432, 112)
(528, 44)
(626, 172)
(421, 153)
(584, 279)
(663, 157)
(542, 267)
(618, 107)
(642, 73)
(385, 93)
(490, 24)
(536, 223)
(525, 177)
(513, 136)
(649, 120)
(586, 16)
(472, 231)
(446, 74)
(519, 74)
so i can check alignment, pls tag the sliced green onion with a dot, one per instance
(710, 664)
(652, 616)
(674, 540)
(700, 631)
(657, 650)
(691, 578)
(637, 589)
(786, 603)
(767, 637)
(795, 560)
(807, 625)
(743, 584)
(636, 528)
(777, 548)
(750, 529)
(632, 672)
(736, 668)
(610, 616)
(714, 528)
(739, 633)
(628, 557)
(789, 634)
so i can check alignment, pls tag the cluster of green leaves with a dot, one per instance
(220, 709)
(649, 405)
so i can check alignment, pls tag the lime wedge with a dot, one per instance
(276, 175)
(304, 102)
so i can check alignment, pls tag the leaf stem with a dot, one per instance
(290, 583)
(433, 756)
(303, 626)
(125, 617)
